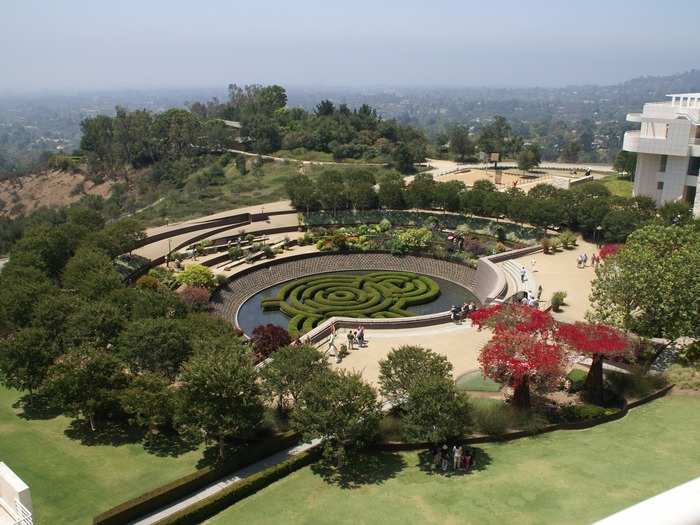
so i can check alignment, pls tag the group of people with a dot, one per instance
(460, 313)
(582, 260)
(354, 338)
(456, 458)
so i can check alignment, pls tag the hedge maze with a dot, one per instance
(310, 300)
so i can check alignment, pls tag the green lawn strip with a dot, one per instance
(564, 477)
(71, 482)
(475, 381)
(617, 186)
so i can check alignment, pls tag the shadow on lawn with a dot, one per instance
(34, 407)
(107, 433)
(361, 469)
(167, 445)
(426, 463)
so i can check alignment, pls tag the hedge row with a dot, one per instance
(182, 487)
(211, 505)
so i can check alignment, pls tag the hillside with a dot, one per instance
(22, 195)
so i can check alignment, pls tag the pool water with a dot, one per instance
(251, 313)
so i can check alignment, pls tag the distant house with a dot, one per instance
(235, 128)
(15, 500)
(668, 150)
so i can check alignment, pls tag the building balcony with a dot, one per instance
(634, 117)
(630, 142)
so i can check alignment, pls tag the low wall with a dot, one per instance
(510, 436)
(230, 221)
(490, 281)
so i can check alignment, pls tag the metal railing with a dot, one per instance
(25, 515)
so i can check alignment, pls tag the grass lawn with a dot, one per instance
(475, 381)
(618, 186)
(70, 482)
(564, 477)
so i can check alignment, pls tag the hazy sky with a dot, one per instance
(105, 44)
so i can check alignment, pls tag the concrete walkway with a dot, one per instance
(220, 485)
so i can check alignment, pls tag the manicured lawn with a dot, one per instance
(617, 186)
(476, 382)
(71, 482)
(565, 477)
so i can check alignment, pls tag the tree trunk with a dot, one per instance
(221, 446)
(521, 395)
(594, 380)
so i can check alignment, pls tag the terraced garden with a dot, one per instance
(310, 300)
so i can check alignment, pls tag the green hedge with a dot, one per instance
(211, 505)
(166, 494)
(310, 300)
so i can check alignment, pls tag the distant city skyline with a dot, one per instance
(81, 45)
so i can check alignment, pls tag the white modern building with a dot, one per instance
(668, 150)
(15, 500)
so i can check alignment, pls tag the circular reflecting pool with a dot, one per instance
(252, 313)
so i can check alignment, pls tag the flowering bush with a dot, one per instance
(196, 297)
(608, 250)
(267, 339)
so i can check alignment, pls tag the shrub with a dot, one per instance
(568, 238)
(267, 339)
(500, 247)
(196, 297)
(687, 378)
(197, 275)
(555, 243)
(155, 499)
(148, 281)
(572, 413)
(546, 244)
(636, 384)
(492, 417)
(235, 252)
(576, 378)
(269, 252)
(607, 250)
(558, 300)
(689, 355)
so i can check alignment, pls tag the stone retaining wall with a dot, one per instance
(243, 285)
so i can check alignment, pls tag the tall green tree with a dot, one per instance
(91, 273)
(154, 345)
(86, 382)
(220, 397)
(648, 287)
(150, 401)
(460, 144)
(391, 192)
(291, 367)
(435, 411)
(340, 408)
(25, 358)
(405, 366)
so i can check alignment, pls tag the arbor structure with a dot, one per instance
(597, 341)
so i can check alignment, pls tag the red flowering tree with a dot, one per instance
(522, 361)
(608, 250)
(196, 297)
(267, 339)
(522, 352)
(597, 341)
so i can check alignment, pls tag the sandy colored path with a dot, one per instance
(558, 271)
(459, 343)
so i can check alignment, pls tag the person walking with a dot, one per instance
(445, 458)
(332, 349)
(523, 274)
(532, 265)
(585, 259)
